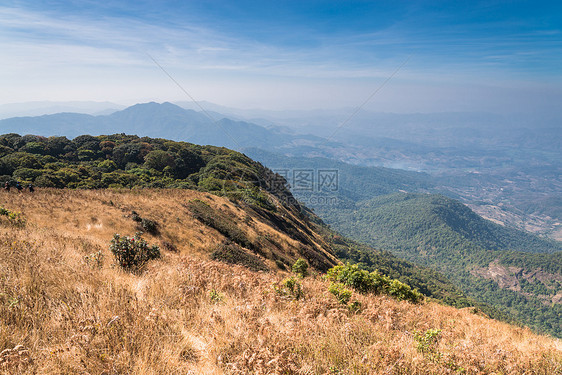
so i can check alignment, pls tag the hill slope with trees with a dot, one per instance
(516, 272)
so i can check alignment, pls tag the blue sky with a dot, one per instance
(499, 56)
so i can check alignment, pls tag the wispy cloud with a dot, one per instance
(64, 51)
(74, 40)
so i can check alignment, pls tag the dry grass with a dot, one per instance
(72, 318)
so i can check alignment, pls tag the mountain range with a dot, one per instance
(164, 120)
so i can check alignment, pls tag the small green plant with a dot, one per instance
(294, 287)
(132, 253)
(301, 268)
(14, 218)
(145, 224)
(427, 342)
(290, 287)
(149, 226)
(135, 216)
(95, 260)
(354, 307)
(215, 296)
(13, 302)
(342, 294)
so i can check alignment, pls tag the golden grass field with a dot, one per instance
(186, 314)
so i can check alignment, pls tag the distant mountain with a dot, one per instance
(164, 120)
(49, 108)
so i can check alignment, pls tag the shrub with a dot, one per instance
(401, 291)
(428, 341)
(14, 218)
(144, 224)
(342, 294)
(355, 306)
(94, 260)
(215, 296)
(149, 226)
(360, 280)
(135, 216)
(301, 267)
(290, 287)
(132, 253)
(373, 282)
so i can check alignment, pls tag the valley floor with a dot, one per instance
(62, 313)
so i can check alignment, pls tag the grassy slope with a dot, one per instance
(72, 318)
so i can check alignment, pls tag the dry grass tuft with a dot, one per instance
(186, 314)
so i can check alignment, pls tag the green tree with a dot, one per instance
(107, 166)
(158, 160)
(301, 267)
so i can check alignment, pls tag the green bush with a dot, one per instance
(14, 218)
(355, 307)
(342, 294)
(132, 253)
(427, 342)
(372, 282)
(360, 280)
(401, 291)
(215, 296)
(301, 267)
(290, 287)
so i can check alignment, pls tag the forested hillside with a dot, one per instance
(516, 272)
(121, 160)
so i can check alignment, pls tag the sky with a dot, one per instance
(386, 56)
